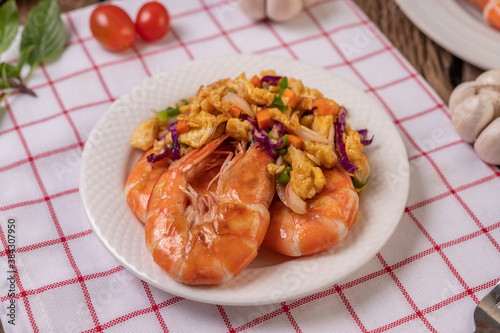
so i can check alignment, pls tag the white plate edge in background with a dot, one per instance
(454, 28)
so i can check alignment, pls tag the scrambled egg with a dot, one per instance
(353, 146)
(240, 129)
(322, 125)
(284, 118)
(203, 126)
(209, 115)
(323, 152)
(354, 150)
(145, 135)
(306, 179)
(251, 94)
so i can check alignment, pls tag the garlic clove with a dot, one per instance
(255, 9)
(487, 145)
(471, 116)
(494, 94)
(461, 92)
(283, 10)
(491, 77)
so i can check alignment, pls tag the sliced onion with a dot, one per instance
(238, 101)
(272, 80)
(288, 196)
(281, 190)
(331, 136)
(313, 158)
(279, 161)
(307, 134)
(274, 133)
(295, 203)
(241, 89)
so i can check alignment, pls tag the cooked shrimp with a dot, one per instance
(140, 183)
(330, 215)
(208, 237)
(490, 9)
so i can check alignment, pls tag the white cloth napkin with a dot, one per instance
(442, 259)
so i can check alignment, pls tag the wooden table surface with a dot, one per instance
(442, 70)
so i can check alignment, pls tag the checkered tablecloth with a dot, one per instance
(442, 259)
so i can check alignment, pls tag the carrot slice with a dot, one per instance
(263, 119)
(235, 112)
(255, 81)
(295, 141)
(293, 99)
(326, 106)
(320, 101)
(327, 110)
(182, 127)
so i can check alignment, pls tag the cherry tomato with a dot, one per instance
(152, 21)
(112, 27)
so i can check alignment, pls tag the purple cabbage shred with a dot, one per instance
(280, 127)
(262, 137)
(176, 153)
(252, 121)
(272, 80)
(339, 130)
(363, 134)
(155, 158)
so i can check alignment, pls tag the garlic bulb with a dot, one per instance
(276, 10)
(461, 92)
(255, 9)
(471, 116)
(487, 145)
(475, 111)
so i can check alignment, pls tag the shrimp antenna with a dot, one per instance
(222, 168)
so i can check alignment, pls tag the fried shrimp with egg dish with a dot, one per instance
(246, 162)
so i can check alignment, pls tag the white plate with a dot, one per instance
(108, 158)
(458, 27)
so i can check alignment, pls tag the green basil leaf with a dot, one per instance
(10, 70)
(3, 70)
(23, 57)
(45, 30)
(8, 24)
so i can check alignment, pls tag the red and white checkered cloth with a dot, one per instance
(443, 258)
